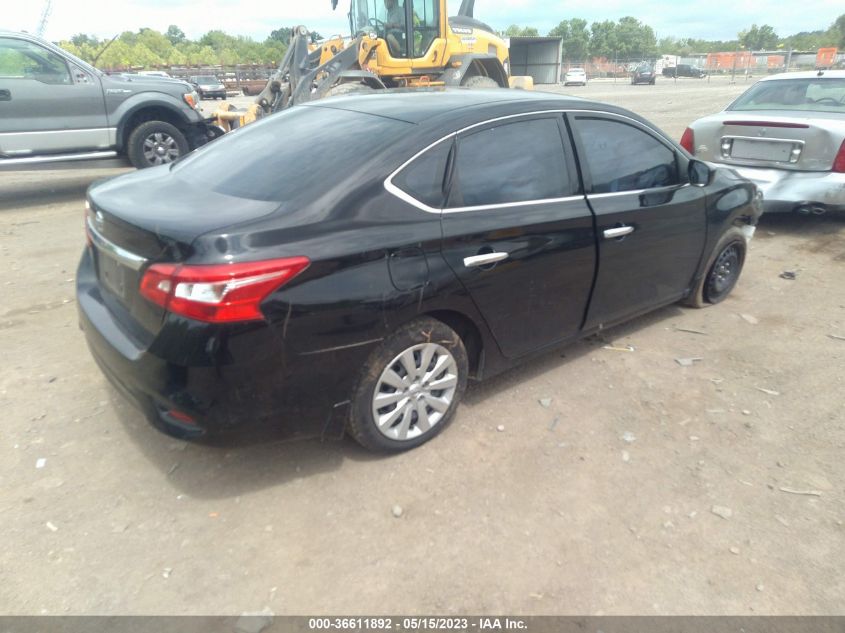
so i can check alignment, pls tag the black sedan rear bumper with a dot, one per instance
(200, 380)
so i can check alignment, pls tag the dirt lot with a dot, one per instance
(644, 488)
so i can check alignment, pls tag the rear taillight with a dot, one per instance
(839, 161)
(688, 140)
(220, 293)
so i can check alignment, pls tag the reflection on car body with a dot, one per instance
(480, 228)
(786, 133)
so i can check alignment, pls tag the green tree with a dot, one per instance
(81, 39)
(634, 40)
(515, 30)
(128, 37)
(175, 34)
(808, 40)
(576, 38)
(118, 56)
(603, 41)
(838, 32)
(156, 42)
(759, 38)
(141, 55)
(282, 35)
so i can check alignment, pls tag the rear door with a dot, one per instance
(47, 104)
(517, 230)
(650, 221)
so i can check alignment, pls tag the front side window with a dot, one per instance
(622, 157)
(819, 94)
(512, 162)
(24, 60)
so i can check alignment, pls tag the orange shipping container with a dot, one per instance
(825, 57)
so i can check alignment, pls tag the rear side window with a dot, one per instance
(423, 178)
(622, 157)
(515, 162)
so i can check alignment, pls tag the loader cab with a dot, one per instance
(413, 31)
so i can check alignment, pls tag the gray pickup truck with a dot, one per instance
(56, 108)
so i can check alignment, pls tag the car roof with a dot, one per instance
(808, 74)
(432, 106)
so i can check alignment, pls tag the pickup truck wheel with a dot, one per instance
(723, 270)
(410, 387)
(155, 143)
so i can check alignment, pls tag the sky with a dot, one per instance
(721, 20)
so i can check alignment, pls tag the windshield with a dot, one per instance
(817, 94)
(207, 80)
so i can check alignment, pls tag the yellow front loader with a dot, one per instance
(393, 44)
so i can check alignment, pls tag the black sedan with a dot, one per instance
(347, 265)
(208, 87)
(643, 74)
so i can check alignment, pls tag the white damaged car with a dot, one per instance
(786, 133)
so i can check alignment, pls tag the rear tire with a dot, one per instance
(348, 88)
(410, 387)
(723, 270)
(155, 143)
(480, 82)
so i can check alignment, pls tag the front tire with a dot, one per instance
(723, 270)
(155, 143)
(409, 388)
(480, 82)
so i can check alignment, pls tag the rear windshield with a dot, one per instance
(296, 154)
(817, 94)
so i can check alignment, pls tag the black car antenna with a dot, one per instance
(103, 50)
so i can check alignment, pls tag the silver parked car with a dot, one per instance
(786, 133)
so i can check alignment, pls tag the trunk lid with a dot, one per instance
(146, 217)
(771, 140)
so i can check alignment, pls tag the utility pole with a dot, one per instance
(733, 70)
(45, 16)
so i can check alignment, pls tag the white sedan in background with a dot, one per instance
(575, 76)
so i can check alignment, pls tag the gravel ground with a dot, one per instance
(643, 487)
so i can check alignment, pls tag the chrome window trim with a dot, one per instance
(637, 192)
(406, 197)
(131, 260)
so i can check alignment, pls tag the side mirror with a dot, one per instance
(699, 173)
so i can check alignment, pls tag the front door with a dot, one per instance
(47, 104)
(518, 233)
(650, 221)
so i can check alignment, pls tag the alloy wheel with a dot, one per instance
(415, 391)
(160, 148)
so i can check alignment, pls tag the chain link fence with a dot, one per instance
(747, 64)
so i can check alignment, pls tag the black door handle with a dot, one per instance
(5, 95)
